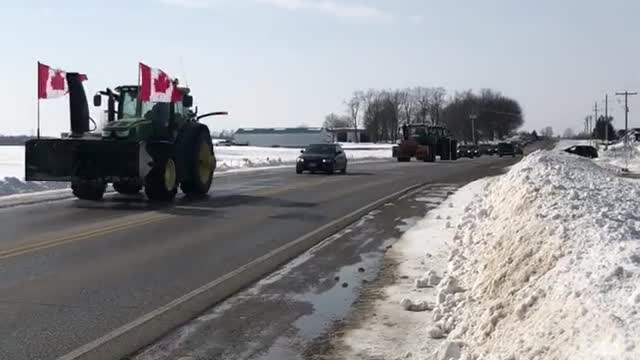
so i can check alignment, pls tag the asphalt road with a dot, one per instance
(72, 271)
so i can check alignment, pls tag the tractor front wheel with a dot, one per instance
(161, 184)
(88, 189)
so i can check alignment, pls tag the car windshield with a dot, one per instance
(320, 149)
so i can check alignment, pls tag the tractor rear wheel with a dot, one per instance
(88, 189)
(161, 184)
(127, 188)
(431, 154)
(198, 161)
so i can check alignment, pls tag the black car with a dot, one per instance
(583, 150)
(505, 149)
(487, 149)
(467, 151)
(322, 157)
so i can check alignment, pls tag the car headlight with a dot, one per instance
(300, 159)
(122, 133)
(106, 133)
(327, 160)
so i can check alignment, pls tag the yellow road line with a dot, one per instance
(45, 244)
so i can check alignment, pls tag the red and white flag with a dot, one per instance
(52, 83)
(157, 86)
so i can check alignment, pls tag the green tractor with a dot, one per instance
(424, 143)
(155, 146)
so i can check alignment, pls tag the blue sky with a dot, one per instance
(290, 62)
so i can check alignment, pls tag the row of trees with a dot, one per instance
(602, 130)
(381, 113)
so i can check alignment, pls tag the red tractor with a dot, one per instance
(425, 143)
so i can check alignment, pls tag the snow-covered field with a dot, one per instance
(543, 263)
(230, 158)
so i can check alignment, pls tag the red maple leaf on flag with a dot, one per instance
(57, 81)
(162, 83)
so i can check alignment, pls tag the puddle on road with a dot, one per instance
(328, 306)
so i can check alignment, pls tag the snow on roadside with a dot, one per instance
(392, 332)
(230, 158)
(549, 258)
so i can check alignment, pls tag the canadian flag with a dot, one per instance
(52, 83)
(157, 86)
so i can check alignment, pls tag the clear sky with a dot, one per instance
(290, 62)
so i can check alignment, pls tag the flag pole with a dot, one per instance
(38, 97)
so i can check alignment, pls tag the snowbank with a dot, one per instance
(392, 332)
(549, 258)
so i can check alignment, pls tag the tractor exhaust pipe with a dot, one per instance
(78, 106)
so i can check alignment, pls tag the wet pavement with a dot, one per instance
(286, 315)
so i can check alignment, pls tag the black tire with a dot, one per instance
(445, 148)
(344, 170)
(404, 159)
(500, 155)
(331, 170)
(161, 184)
(298, 171)
(88, 190)
(196, 160)
(453, 149)
(127, 188)
(432, 154)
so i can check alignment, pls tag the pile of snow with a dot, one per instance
(547, 262)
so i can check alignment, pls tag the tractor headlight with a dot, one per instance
(106, 133)
(122, 133)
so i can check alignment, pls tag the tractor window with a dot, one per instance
(131, 107)
(128, 106)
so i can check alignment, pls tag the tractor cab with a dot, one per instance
(133, 119)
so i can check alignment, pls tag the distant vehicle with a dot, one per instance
(505, 149)
(487, 149)
(425, 143)
(519, 150)
(583, 150)
(466, 151)
(327, 158)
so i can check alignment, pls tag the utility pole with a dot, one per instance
(473, 127)
(626, 95)
(595, 123)
(606, 121)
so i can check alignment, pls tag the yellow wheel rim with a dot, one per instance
(170, 175)
(205, 163)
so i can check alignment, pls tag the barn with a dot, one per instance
(281, 137)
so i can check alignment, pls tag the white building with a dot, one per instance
(281, 137)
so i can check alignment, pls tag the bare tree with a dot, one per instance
(547, 132)
(568, 133)
(423, 97)
(437, 102)
(333, 121)
(354, 105)
(407, 103)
